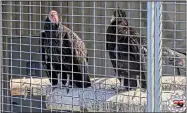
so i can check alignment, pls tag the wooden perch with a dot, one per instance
(40, 86)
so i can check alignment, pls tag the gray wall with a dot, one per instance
(174, 17)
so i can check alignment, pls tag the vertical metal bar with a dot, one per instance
(94, 25)
(141, 46)
(1, 84)
(11, 51)
(150, 57)
(61, 62)
(186, 55)
(72, 28)
(30, 48)
(105, 6)
(128, 44)
(83, 38)
(41, 66)
(157, 48)
(20, 52)
(174, 38)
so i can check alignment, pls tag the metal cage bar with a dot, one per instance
(150, 56)
(186, 57)
(1, 56)
(158, 57)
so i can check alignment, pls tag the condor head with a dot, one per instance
(119, 14)
(51, 24)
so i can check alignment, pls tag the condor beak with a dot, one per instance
(112, 19)
(42, 31)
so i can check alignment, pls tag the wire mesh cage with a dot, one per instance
(92, 56)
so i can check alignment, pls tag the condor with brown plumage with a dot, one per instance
(63, 51)
(123, 45)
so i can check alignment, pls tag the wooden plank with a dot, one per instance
(25, 85)
(42, 86)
